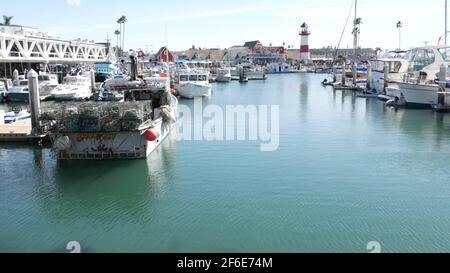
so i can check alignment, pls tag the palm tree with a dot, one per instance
(119, 21)
(117, 33)
(122, 21)
(7, 20)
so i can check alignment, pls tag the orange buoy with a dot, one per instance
(151, 135)
(164, 75)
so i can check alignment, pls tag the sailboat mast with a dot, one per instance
(446, 22)
(355, 32)
(355, 43)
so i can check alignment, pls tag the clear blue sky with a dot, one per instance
(212, 23)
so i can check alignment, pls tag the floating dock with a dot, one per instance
(348, 88)
(19, 131)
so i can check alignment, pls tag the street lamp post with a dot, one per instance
(399, 26)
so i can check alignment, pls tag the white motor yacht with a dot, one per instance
(419, 89)
(223, 75)
(73, 88)
(193, 83)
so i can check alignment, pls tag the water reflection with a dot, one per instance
(95, 196)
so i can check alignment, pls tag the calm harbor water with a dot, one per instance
(348, 171)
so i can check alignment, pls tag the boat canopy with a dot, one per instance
(192, 62)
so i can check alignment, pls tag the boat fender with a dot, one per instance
(62, 143)
(151, 135)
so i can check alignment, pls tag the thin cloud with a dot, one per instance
(204, 14)
(73, 2)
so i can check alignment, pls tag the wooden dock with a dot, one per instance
(19, 131)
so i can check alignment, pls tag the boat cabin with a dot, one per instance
(193, 77)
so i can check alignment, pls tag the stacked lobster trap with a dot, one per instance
(92, 117)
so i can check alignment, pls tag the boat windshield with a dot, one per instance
(445, 52)
(21, 83)
(421, 58)
(75, 81)
(193, 78)
(184, 78)
(43, 78)
(202, 78)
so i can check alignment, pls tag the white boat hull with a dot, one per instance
(70, 94)
(419, 95)
(193, 90)
(223, 78)
(18, 96)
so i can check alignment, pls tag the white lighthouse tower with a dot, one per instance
(305, 54)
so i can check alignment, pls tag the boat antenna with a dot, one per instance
(343, 32)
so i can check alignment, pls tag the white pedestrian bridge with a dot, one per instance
(22, 44)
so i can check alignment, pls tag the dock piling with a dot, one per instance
(343, 76)
(369, 76)
(442, 77)
(334, 73)
(15, 75)
(92, 76)
(354, 73)
(35, 104)
(385, 77)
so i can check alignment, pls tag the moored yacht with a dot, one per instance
(223, 75)
(74, 88)
(419, 89)
(252, 72)
(47, 82)
(193, 83)
(397, 63)
(19, 91)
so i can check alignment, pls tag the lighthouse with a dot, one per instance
(305, 54)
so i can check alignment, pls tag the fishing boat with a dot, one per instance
(132, 129)
(223, 75)
(193, 83)
(74, 88)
